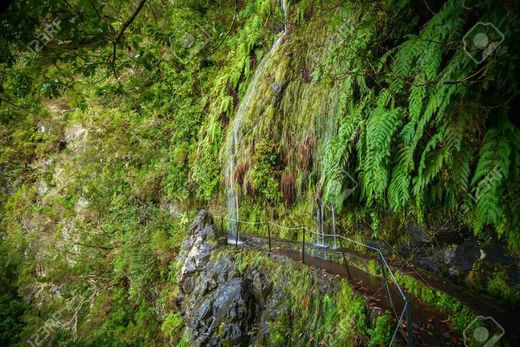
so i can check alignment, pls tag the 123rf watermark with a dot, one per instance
(48, 33)
(49, 327)
(481, 41)
(484, 187)
(483, 331)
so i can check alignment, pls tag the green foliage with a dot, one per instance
(107, 143)
(381, 334)
(230, 81)
(416, 147)
(338, 317)
(172, 325)
(380, 128)
(498, 285)
(12, 307)
(263, 179)
(493, 169)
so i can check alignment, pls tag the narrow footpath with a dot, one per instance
(430, 326)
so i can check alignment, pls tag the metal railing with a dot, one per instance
(385, 268)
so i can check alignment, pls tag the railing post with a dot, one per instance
(303, 247)
(236, 236)
(334, 227)
(385, 277)
(409, 325)
(344, 259)
(269, 235)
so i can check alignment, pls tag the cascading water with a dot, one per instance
(283, 5)
(233, 138)
(322, 226)
(320, 220)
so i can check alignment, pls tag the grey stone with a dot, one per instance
(417, 234)
(466, 255)
(449, 254)
(221, 306)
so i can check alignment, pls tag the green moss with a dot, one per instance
(374, 267)
(499, 286)
(172, 325)
(494, 280)
(263, 177)
(460, 314)
(381, 334)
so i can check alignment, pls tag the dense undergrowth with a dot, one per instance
(109, 143)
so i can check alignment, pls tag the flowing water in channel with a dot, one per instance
(233, 138)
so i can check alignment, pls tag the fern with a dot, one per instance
(431, 163)
(491, 172)
(415, 101)
(380, 129)
(337, 154)
(399, 188)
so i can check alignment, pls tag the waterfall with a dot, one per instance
(322, 226)
(283, 5)
(233, 138)
(320, 221)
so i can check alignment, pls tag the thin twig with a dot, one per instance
(118, 37)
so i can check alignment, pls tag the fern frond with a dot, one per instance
(380, 129)
(491, 172)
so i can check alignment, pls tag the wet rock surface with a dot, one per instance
(221, 306)
(451, 259)
(444, 250)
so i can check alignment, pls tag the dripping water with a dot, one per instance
(322, 226)
(233, 139)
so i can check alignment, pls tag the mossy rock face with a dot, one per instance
(239, 297)
(221, 305)
(202, 238)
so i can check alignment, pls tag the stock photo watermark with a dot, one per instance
(49, 327)
(481, 41)
(483, 187)
(341, 188)
(48, 34)
(483, 331)
(350, 187)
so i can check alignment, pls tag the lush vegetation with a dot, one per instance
(113, 132)
(313, 312)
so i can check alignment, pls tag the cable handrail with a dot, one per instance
(329, 235)
(406, 307)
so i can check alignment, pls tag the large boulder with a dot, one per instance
(202, 238)
(220, 305)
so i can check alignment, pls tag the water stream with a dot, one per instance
(234, 138)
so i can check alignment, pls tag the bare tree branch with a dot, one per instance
(120, 34)
(129, 21)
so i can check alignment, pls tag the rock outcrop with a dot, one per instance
(220, 305)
